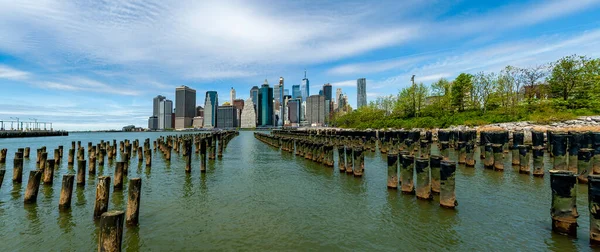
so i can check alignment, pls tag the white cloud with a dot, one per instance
(12, 74)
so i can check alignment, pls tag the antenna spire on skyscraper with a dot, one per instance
(304, 73)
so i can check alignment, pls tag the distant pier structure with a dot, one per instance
(15, 128)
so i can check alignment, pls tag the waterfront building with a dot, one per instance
(153, 123)
(200, 111)
(248, 115)
(211, 102)
(315, 110)
(281, 107)
(265, 106)
(296, 92)
(304, 87)
(239, 105)
(198, 122)
(361, 92)
(164, 114)
(156, 103)
(226, 117)
(338, 92)
(294, 106)
(185, 100)
(254, 97)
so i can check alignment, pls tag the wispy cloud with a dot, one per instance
(12, 74)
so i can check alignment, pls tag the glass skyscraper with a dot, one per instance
(305, 88)
(265, 105)
(296, 92)
(361, 92)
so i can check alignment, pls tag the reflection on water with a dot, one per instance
(65, 221)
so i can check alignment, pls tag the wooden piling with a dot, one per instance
(66, 192)
(43, 159)
(594, 208)
(584, 164)
(524, 157)
(18, 168)
(423, 188)
(26, 152)
(407, 170)
(3, 153)
(559, 151)
(81, 172)
(49, 172)
(498, 157)
(359, 162)
(118, 185)
(448, 184)
(33, 186)
(392, 173)
(102, 196)
(538, 161)
(133, 202)
(110, 236)
(2, 172)
(488, 162)
(564, 199)
(341, 159)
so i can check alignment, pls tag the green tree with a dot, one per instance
(566, 76)
(461, 88)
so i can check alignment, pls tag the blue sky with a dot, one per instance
(97, 64)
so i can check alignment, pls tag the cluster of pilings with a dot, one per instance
(93, 161)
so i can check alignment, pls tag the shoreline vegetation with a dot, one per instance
(564, 90)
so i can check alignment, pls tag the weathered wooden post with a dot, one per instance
(203, 154)
(518, 139)
(188, 155)
(349, 160)
(3, 155)
(406, 174)
(119, 176)
(56, 157)
(110, 236)
(538, 161)
(33, 186)
(584, 164)
(423, 184)
(43, 158)
(341, 159)
(488, 162)
(2, 172)
(148, 154)
(102, 196)
(92, 165)
(18, 168)
(81, 172)
(462, 152)
(392, 162)
(213, 145)
(482, 143)
(445, 150)
(564, 198)
(435, 166)
(559, 151)
(71, 157)
(221, 145)
(48, 172)
(594, 208)
(498, 157)
(359, 161)
(524, 157)
(66, 191)
(26, 152)
(448, 184)
(133, 202)
(574, 140)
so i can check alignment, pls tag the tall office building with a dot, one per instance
(265, 106)
(327, 92)
(227, 117)
(164, 114)
(338, 92)
(315, 110)
(254, 97)
(304, 87)
(281, 107)
(185, 102)
(296, 92)
(153, 123)
(200, 111)
(239, 105)
(248, 115)
(361, 92)
(294, 106)
(211, 103)
(156, 103)
(231, 95)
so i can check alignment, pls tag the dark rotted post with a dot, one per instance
(3, 153)
(594, 208)
(221, 145)
(423, 185)
(482, 143)
(518, 139)
(2, 172)
(110, 236)
(406, 174)
(470, 150)
(119, 176)
(18, 168)
(341, 159)
(559, 151)
(392, 161)
(48, 172)
(349, 160)
(462, 152)
(203, 154)
(102, 196)
(188, 155)
(359, 161)
(213, 145)
(33, 186)
(425, 148)
(538, 161)
(498, 157)
(537, 139)
(524, 157)
(133, 202)
(574, 140)
(489, 156)
(445, 150)
(26, 152)
(66, 192)
(56, 156)
(564, 198)
(595, 139)
(43, 158)
(148, 154)
(435, 166)
(71, 157)
(584, 164)
(448, 184)
(140, 153)
(81, 172)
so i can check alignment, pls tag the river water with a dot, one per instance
(258, 198)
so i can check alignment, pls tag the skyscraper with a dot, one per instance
(327, 92)
(315, 110)
(231, 95)
(254, 97)
(211, 104)
(164, 114)
(281, 103)
(185, 101)
(265, 106)
(338, 92)
(239, 105)
(296, 92)
(294, 110)
(304, 87)
(227, 117)
(156, 103)
(361, 92)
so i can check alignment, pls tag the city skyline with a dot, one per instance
(61, 62)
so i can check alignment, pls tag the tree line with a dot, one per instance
(548, 92)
